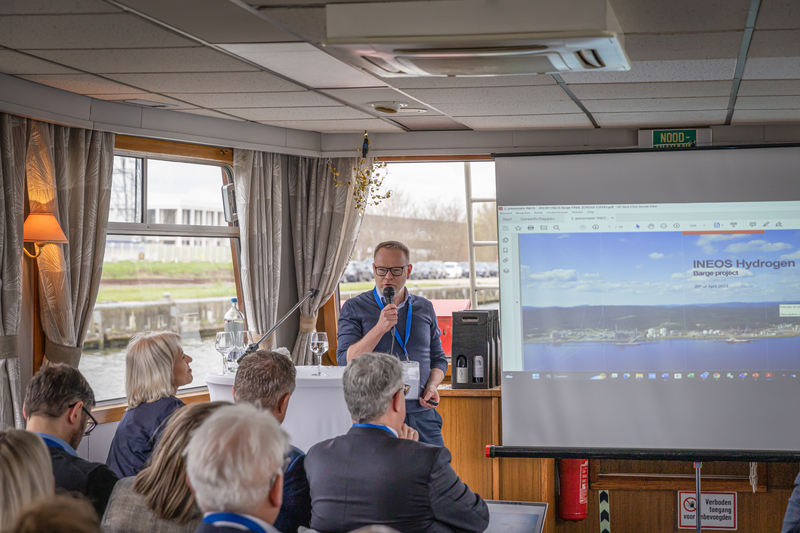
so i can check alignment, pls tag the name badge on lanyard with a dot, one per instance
(403, 343)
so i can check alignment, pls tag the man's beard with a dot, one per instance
(75, 438)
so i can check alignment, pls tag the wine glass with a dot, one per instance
(319, 345)
(224, 344)
(242, 339)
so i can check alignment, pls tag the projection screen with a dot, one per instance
(651, 300)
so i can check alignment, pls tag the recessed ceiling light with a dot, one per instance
(395, 108)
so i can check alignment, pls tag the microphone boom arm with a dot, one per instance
(312, 293)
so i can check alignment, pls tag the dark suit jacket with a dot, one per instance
(296, 508)
(368, 476)
(73, 474)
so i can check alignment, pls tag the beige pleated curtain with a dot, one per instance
(325, 226)
(257, 178)
(13, 133)
(69, 174)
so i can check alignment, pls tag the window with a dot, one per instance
(157, 275)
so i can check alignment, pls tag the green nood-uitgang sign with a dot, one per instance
(674, 138)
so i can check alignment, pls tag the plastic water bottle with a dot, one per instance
(234, 324)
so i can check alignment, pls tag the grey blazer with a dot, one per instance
(127, 512)
(369, 476)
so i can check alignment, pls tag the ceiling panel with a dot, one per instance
(304, 63)
(776, 43)
(112, 30)
(310, 23)
(778, 15)
(661, 71)
(427, 123)
(254, 100)
(213, 21)
(143, 95)
(527, 121)
(15, 63)
(362, 97)
(656, 104)
(660, 46)
(640, 16)
(339, 126)
(661, 118)
(298, 113)
(209, 113)
(79, 83)
(767, 102)
(208, 82)
(769, 87)
(613, 91)
(441, 82)
(150, 60)
(502, 108)
(43, 7)
(765, 116)
(772, 68)
(488, 94)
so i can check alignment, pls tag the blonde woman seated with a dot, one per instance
(58, 514)
(26, 472)
(158, 500)
(155, 366)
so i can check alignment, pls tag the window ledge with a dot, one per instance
(113, 413)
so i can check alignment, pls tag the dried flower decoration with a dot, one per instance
(368, 180)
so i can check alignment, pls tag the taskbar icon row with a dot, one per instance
(665, 376)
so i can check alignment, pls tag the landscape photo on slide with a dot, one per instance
(661, 301)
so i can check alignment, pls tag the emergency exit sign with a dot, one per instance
(674, 138)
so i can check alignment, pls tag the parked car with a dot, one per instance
(366, 269)
(464, 269)
(453, 269)
(481, 270)
(421, 270)
(492, 269)
(437, 269)
(352, 273)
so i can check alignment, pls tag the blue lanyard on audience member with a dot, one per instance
(400, 341)
(377, 426)
(233, 518)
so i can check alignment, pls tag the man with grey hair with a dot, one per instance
(378, 473)
(234, 464)
(266, 379)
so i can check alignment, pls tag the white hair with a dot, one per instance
(149, 366)
(233, 457)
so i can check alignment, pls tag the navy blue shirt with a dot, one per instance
(360, 314)
(137, 434)
(791, 521)
(296, 508)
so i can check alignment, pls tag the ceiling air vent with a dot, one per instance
(590, 59)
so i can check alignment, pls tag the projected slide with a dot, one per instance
(661, 301)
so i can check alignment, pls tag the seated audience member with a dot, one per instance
(59, 514)
(158, 500)
(791, 521)
(155, 366)
(26, 473)
(58, 404)
(378, 473)
(266, 379)
(235, 463)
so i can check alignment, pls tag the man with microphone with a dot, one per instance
(388, 319)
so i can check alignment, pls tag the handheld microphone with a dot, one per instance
(388, 293)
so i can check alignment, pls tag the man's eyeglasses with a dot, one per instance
(287, 460)
(396, 271)
(90, 424)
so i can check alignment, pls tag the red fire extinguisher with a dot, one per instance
(573, 480)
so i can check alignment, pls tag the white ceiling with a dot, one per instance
(259, 61)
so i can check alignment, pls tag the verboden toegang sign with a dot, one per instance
(717, 509)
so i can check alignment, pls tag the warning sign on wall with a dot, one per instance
(717, 510)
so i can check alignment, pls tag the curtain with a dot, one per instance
(13, 131)
(325, 226)
(69, 174)
(257, 178)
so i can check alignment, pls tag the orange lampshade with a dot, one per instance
(42, 228)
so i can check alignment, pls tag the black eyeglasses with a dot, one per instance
(396, 271)
(90, 424)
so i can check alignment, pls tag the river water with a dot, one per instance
(781, 353)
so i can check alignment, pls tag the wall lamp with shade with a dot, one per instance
(41, 229)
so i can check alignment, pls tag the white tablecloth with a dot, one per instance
(316, 411)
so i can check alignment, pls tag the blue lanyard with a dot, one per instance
(376, 426)
(400, 341)
(213, 518)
